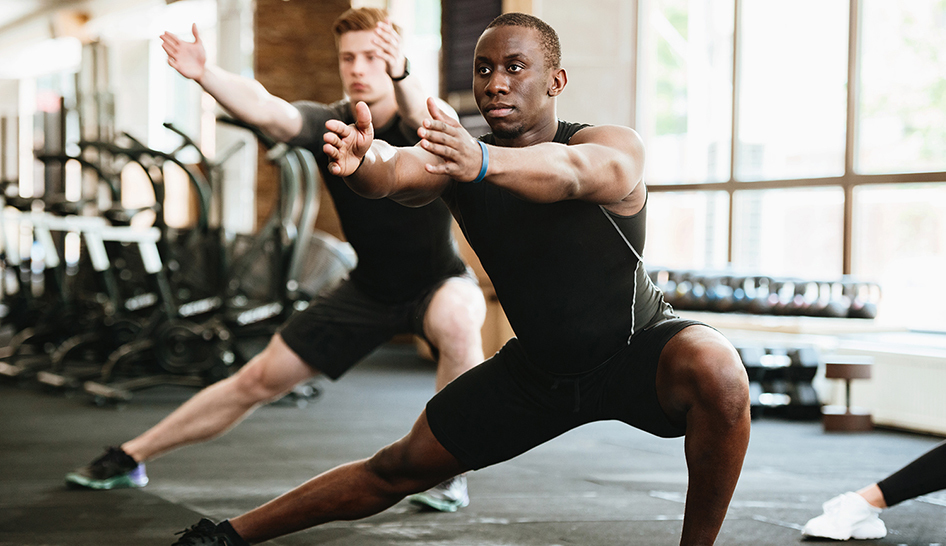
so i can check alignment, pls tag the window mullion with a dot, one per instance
(734, 133)
(850, 143)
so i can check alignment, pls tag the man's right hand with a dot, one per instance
(346, 145)
(188, 58)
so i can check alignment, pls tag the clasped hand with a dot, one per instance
(456, 153)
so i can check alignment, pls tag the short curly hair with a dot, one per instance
(550, 42)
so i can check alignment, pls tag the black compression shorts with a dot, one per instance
(341, 326)
(506, 406)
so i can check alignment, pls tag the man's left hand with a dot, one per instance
(444, 137)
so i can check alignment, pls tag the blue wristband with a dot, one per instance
(482, 175)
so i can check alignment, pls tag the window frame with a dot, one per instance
(847, 181)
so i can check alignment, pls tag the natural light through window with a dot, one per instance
(902, 106)
(686, 89)
(793, 89)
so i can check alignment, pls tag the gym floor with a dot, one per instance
(604, 484)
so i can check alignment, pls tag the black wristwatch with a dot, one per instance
(407, 71)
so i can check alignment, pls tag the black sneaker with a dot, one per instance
(204, 533)
(113, 470)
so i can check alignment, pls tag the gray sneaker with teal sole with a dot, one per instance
(449, 496)
(114, 469)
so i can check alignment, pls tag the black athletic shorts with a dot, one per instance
(506, 406)
(342, 325)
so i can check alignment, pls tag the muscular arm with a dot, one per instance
(249, 101)
(399, 174)
(243, 97)
(408, 92)
(602, 165)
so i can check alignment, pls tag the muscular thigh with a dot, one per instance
(698, 366)
(499, 409)
(506, 406)
(629, 383)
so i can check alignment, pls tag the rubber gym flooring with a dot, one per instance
(604, 484)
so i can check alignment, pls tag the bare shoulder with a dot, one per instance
(615, 136)
(627, 142)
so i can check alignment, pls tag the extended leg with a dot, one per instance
(354, 490)
(856, 515)
(702, 385)
(925, 474)
(216, 409)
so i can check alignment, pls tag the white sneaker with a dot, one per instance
(449, 496)
(847, 516)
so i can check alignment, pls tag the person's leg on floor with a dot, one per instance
(702, 385)
(923, 475)
(217, 408)
(857, 514)
(355, 490)
(209, 413)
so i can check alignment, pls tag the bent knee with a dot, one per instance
(389, 464)
(723, 385)
(455, 316)
(270, 374)
(454, 336)
(251, 384)
(707, 372)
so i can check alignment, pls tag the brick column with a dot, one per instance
(295, 59)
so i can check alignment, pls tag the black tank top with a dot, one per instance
(568, 274)
(401, 250)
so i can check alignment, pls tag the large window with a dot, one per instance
(690, 230)
(822, 122)
(900, 241)
(902, 94)
(789, 232)
(792, 89)
(686, 89)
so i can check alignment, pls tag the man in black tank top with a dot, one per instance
(409, 277)
(555, 212)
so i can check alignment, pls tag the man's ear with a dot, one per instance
(559, 79)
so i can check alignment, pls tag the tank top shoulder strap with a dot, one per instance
(566, 130)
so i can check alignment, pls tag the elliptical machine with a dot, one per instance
(263, 279)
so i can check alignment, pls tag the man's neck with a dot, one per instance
(543, 132)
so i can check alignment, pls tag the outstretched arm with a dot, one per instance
(601, 164)
(245, 98)
(374, 168)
